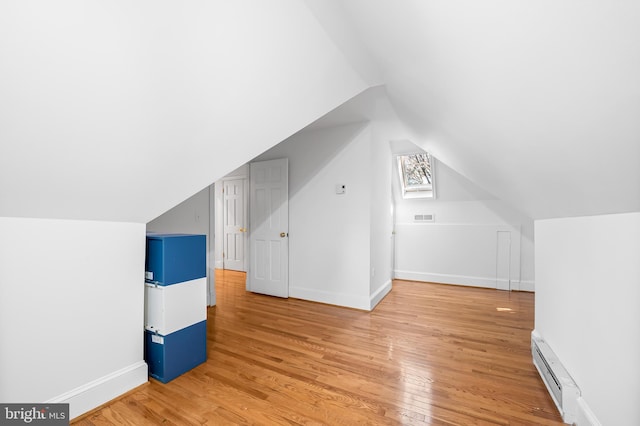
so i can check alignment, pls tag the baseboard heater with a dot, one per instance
(559, 383)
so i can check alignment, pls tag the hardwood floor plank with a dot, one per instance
(428, 354)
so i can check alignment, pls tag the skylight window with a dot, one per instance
(416, 175)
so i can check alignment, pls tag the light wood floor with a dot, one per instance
(428, 354)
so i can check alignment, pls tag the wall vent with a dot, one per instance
(559, 383)
(423, 218)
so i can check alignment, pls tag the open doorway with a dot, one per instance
(231, 221)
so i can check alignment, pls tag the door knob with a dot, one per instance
(283, 234)
(243, 229)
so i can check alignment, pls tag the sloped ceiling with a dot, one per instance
(120, 110)
(536, 102)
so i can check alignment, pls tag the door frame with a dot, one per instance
(211, 255)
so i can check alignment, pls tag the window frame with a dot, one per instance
(423, 191)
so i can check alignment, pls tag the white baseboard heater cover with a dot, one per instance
(563, 389)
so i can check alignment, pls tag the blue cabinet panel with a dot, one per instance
(175, 258)
(176, 353)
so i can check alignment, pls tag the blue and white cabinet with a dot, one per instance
(175, 304)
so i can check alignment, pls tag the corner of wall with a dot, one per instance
(523, 285)
(331, 298)
(380, 294)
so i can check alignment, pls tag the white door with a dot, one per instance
(234, 218)
(269, 233)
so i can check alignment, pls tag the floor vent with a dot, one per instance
(559, 383)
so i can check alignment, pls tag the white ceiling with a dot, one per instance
(121, 110)
(537, 102)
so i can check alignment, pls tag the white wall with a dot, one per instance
(451, 253)
(189, 217)
(588, 307)
(71, 311)
(329, 234)
(460, 247)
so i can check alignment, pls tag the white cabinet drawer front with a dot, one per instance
(174, 307)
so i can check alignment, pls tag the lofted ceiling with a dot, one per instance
(121, 110)
(537, 102)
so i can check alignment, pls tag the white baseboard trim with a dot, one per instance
(93, 394)
(446, 279)
(380, 294)
(461, 280)
(503, 284)
(331, 298)
(525, 285)
(584, 415)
